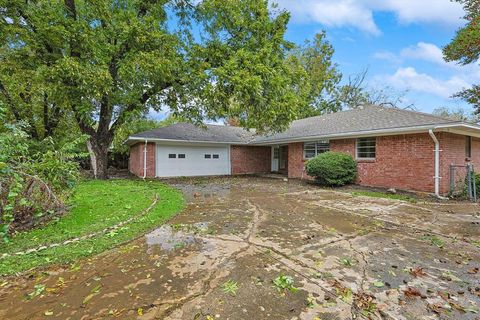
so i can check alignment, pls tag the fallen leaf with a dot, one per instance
(412, 292)
(417, 272)
(473, 271)
(379, 284)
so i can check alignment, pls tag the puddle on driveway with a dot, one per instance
(168, 239)
(250, 231)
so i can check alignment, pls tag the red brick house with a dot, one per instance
(394, 148)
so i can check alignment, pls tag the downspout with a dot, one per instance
(145, 160)
(437, 163)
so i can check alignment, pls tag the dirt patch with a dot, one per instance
(346, 257)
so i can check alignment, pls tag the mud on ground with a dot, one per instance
(349, 257)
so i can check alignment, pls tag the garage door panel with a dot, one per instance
(174, 161)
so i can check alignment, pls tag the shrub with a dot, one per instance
(35, 177)
(332, 169)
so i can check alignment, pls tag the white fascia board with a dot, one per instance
(157, 140)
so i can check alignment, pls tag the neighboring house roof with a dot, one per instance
(362, 121)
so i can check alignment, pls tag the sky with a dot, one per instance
(399, 41)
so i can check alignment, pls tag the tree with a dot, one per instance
(136, 126)
(458, 114)
(106, 62)
(322, 76)
(464, 48)
(355, 93)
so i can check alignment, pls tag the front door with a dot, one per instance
(283, 160)
(275, 155)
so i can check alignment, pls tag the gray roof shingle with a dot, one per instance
(191, 132)
(346, 122)
(356, 120)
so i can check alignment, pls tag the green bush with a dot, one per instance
(332, 169)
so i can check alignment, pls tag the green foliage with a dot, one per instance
(284, 283)
(100, 64)
(33, 175)
(332, 168)
(136, 126)
(230, 287)
(378, 194)
(321, 76)
(464, 48)
(95, 205)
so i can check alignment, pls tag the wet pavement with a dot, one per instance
(349, 257)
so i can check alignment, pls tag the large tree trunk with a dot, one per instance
(98, 149)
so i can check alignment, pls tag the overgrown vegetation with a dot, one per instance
(332, 169)
(95, 206)
(35, 177)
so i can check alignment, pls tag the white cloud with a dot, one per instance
(409, 79)
(359, 13)
(424, 51)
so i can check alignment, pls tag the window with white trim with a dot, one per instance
(313, 149)
(366, 148)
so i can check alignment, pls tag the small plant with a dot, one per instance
(347, 262)
(284, 283)
(435, 241)
(332, 169)
(38, 290)
(230, 287)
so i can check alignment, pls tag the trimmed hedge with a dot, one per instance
(332, 169)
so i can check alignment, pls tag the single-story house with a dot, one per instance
(394, 148)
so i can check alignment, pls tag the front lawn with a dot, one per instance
(95, 206)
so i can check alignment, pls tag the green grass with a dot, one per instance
(94, 206)
(377, 194)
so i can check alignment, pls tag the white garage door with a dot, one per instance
(184, 161)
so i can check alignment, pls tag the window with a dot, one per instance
(312, 149)
(216, 156)
(468, 147)
(172, 156)
(276, 152)
(181, 156)
(208, 156)
(366, 148)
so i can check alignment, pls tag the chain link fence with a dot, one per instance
(462, 181)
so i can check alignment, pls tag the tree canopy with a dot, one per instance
(99, 64)
(465, 49)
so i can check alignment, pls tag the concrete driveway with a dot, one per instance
(348, 257)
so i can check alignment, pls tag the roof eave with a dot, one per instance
(372, 133)
(133, 140)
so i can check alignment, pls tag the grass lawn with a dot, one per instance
(95, 205)
(378, 194)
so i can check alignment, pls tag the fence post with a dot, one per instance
(452, 179)
(469, 182)
(474, 184)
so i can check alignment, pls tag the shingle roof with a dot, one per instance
(191, 132)
(356, 120)
(348, 122)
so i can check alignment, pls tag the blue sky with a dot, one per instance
(399, 41)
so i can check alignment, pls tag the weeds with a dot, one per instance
(347, 262)
(230, 287)
(284, 283)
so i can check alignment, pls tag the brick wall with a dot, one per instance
(248, 160)
(135, 163)
(403, 162)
